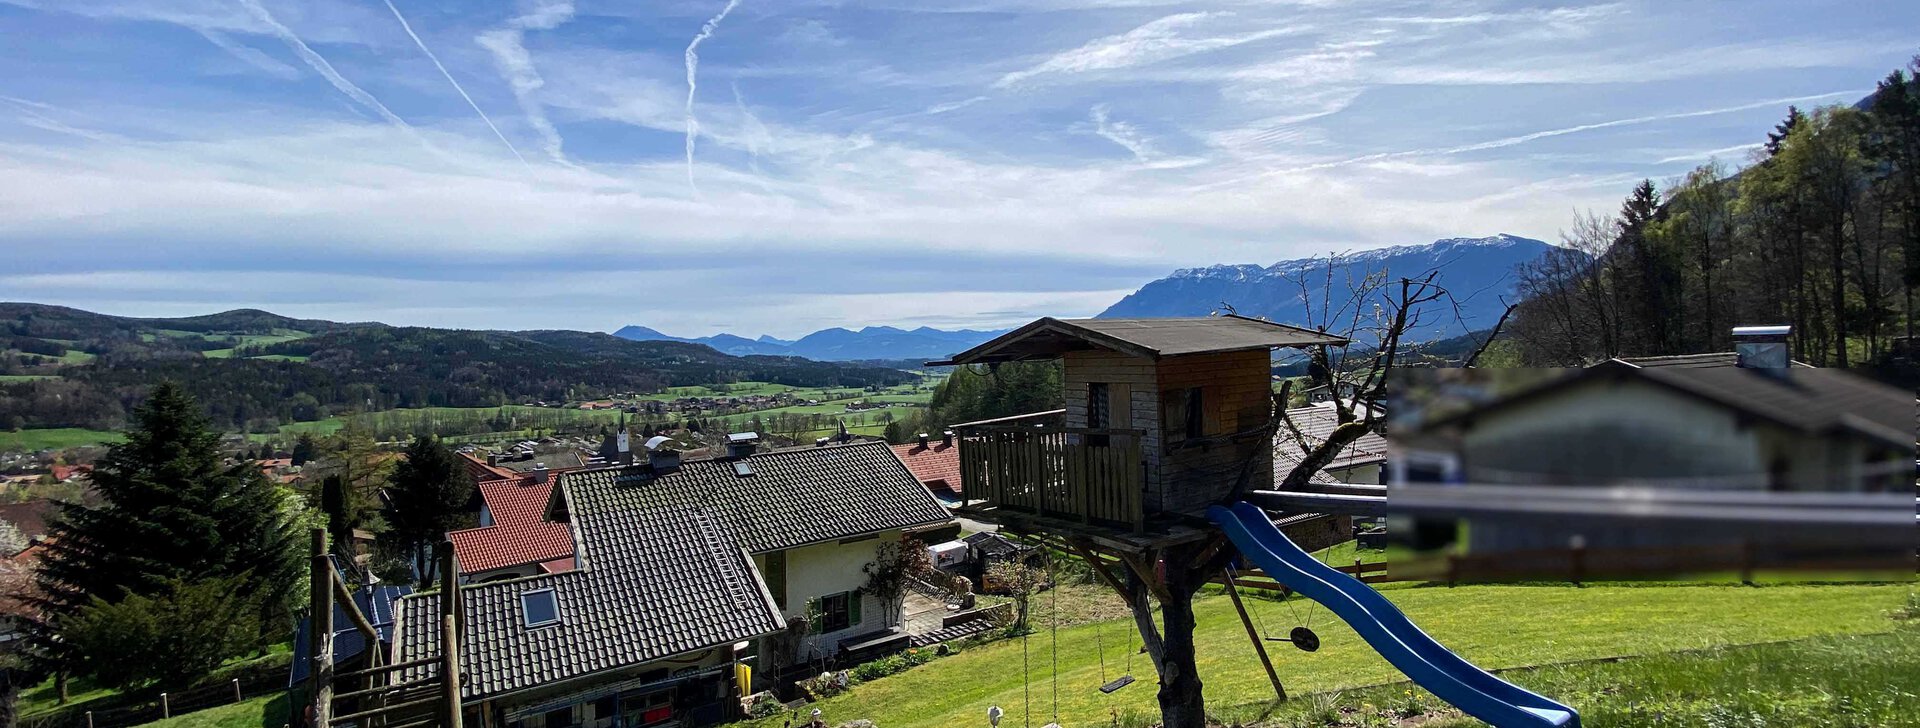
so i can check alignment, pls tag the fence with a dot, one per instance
(157, 705)
(1579, 564)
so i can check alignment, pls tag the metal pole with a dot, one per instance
(165, 711)
(236, 690)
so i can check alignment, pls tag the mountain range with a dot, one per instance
(1479, 272)
(873, 343)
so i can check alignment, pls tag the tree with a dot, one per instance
(1018, 580)
(12, 541)
(171, 638)
(303, 449)
(333, 503)
(894, 566)
(428, 495)
(170, 513)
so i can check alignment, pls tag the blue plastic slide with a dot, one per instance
(1471, 689)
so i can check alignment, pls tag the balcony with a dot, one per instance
(1077, 474)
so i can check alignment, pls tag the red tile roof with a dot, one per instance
(519, 534)
(483, 472)
(934, 464)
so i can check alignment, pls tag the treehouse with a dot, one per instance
(1163, 418)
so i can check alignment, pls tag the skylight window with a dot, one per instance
(540, 608)
(742, 468)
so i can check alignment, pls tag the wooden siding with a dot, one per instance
(1235, 396)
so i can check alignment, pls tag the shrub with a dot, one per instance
(172, 638)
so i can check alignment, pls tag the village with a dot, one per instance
(662, 580)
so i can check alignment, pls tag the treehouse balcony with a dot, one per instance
(1093, 476)
(1162, 418)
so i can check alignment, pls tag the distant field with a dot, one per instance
(76, 356)
(4, 378)
(54, 438)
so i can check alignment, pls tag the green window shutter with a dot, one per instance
(815, 616)
(853, 607)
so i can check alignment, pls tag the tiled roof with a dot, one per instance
(519, 534)
(1689, 361)
(663, 565)
(795, 497)
(663, 580)
(482, 472)
(936, 464)
(1151, 338)
(30, 517)
(1316, 423)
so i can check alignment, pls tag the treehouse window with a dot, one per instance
(1099, 412)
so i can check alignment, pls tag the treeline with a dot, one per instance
(1821, 232)
(377, 368)
(970, 395)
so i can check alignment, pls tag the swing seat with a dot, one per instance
(1120, 682)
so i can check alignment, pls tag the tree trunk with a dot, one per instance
(1182, 703)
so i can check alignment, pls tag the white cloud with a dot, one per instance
(508, 46)
(1160, 40)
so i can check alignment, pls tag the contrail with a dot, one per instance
(404, 25)
(321, 66)
(693, 65)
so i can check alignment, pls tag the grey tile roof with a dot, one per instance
(795, 497)
(375, 602)
(663, 562)
(1316, 424)
(1689, 361)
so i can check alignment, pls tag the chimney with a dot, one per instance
(493, 459)
(660, 457)
(946, 438)
(741, 444)
(1763, 348)
(539, 472)
(923, 440)
(820, 442)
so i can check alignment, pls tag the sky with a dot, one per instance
(782, 166)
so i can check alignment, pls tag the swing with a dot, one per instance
(1112, 686)
(1302, 637)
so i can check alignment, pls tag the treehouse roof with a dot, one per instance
(1150, 338)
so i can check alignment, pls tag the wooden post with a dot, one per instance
(1259, 648)
(1453, 569)
(1577, 559)
(1746, 562)
(450, 617)
(320, 630)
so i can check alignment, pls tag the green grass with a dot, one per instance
(5, 378)
(1493, 626)
(265, 711)
(55, 438)
(1840, 681)
(76, 356)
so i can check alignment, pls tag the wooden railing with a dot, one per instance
(1077, 474)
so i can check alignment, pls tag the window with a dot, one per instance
(1196, 414)
(1099, 409)
(540, 608)
(776, 574)
(562, 718)
(835, 612)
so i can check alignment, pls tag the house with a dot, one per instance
(935, 463)
(1360, 462)
(18, 589)
(1691, 428)
(513, 538)
(683, 570)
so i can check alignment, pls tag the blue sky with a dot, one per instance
(842, 163)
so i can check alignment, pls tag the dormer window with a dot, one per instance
(540, 608)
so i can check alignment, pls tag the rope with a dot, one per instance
(1026, 681)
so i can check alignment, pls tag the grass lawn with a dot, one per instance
(1839, 681)
(54, 438)
(1493, 626)
(5, 378)
(265, 711)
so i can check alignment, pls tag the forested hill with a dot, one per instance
(62, 367)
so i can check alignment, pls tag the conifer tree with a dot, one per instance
(171, 511)
(428, 494)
